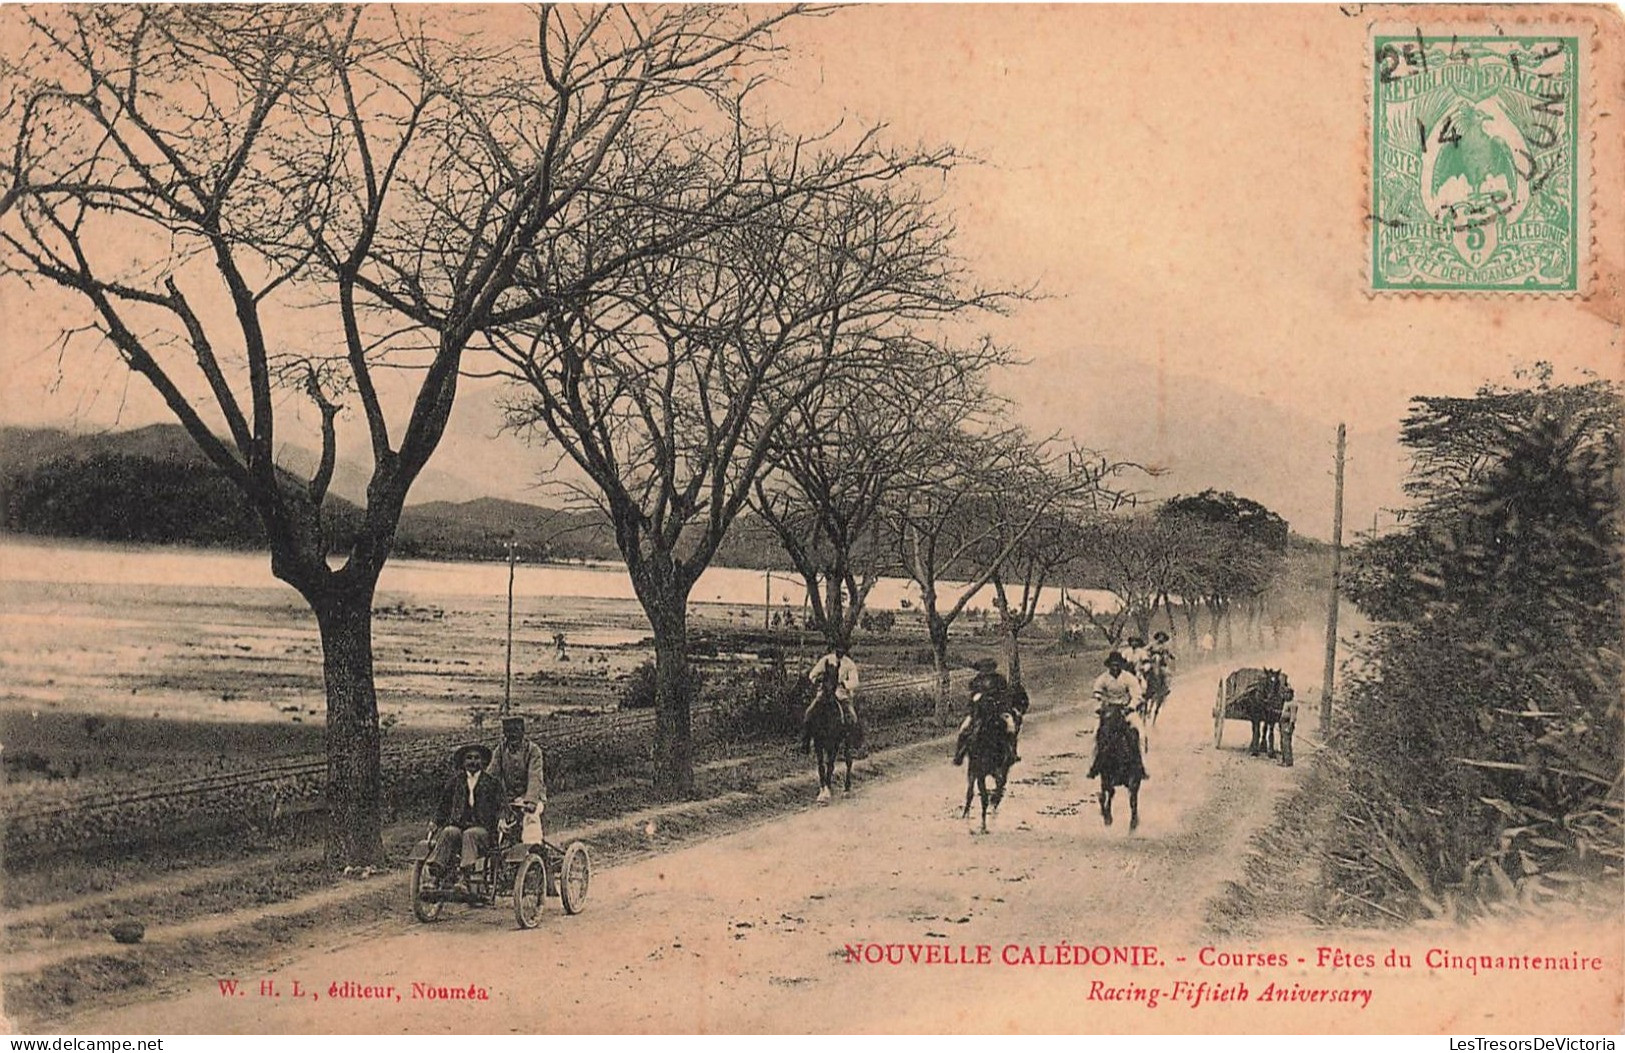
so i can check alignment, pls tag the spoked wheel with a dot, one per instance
(575, 875)
(423, 909)
(530, 891)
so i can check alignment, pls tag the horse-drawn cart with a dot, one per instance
(1263, 698)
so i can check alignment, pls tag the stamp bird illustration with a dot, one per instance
(1480, 161)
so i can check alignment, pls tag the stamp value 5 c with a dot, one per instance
(1476, 173)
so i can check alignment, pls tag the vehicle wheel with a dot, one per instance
(576, 873)
(530, 892)
(422, 909)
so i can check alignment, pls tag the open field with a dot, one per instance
(122, 659)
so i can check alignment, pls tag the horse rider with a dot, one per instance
(1136, 655)
(839, 666)
(991, 694)
(1118, 687)
(517, 764)
(467, 812)
(1161, 653)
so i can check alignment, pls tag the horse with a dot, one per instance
(992, 751)
(1156, 691)
(1264, 696)
(1118, 762)
(832, 737)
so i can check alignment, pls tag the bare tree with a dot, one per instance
(256, 206)
(1052, 545)
(955, 528)
(671, 387)
(847, 454)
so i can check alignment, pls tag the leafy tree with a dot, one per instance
(1484, 730)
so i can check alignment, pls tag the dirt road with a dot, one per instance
(756, 931)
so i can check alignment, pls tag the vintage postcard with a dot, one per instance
(758, 519)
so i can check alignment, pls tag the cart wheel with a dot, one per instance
(422, 909)
(530, 891)
(575, 874)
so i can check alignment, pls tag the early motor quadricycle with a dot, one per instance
(529, 871)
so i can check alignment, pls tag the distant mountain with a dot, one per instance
(482, 528)
(148, 485)
(154, 485)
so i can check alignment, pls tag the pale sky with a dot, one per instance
(1188, 189)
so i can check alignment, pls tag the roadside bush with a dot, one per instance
(878, 622)
(638, 691)
(1483, 726)
(765, 703)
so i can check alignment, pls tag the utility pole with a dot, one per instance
(507, 676)
(1330, 671)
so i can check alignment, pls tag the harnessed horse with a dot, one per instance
(832, 737)
(1263, 702)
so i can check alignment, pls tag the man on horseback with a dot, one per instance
(1118, 689)
(1160, 653)
(992, 696)
(839, 673)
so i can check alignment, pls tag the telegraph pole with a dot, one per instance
(507, 676)
(1330, 671)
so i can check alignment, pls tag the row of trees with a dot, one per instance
(319, 217)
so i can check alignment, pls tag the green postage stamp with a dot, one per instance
(1477, 178)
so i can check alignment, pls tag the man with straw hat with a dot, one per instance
(468, 811)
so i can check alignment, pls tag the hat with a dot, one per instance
(1159, 637)
(512, 721)
(462, 751)
(1117, 655)
(985, 665)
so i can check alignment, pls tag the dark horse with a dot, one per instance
(992, 751)
(832, 737)
(1262, 694)
(1156, 692)
(1118, 762)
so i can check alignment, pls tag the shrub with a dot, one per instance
(1483, 730)
(638, 690)
(765, 703)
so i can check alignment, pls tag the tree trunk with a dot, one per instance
(1012, 640)
(938, 630)
(1190, 621)
(674, 744)
(354, 788)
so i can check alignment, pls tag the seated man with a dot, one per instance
(467, 812)
(1118, 687)
(517, 765)
(841, 674)
(991, 693)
